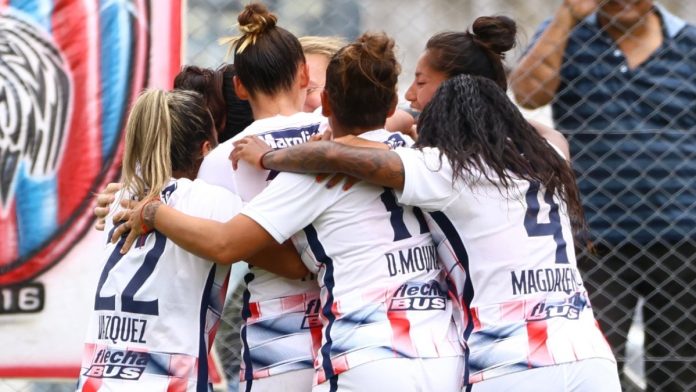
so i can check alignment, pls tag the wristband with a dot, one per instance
(261, 159)
(143, 226)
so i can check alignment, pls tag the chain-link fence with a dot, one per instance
(629, 115)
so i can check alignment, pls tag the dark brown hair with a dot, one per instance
(266, 57)
(209, 83)
(361, 81)
(482, 133)
(479, 52)
(238, 111)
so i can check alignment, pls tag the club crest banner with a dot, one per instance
(69, 71)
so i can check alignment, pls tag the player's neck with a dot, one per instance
(338, 130)
(284, 103)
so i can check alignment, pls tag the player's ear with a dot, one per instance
(240, 90)
(325, 105)
(303, 76)
(206, 147)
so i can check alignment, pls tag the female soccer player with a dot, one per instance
(501, 200)
(385, 315)
(272, 75)
(279, 313)
(156, 309)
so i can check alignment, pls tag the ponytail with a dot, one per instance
(164, 135)
(147, 165)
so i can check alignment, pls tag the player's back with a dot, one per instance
(376, 266)
(511, 255)
(157, 307)
(275, 338)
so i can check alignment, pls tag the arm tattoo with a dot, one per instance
(379, 167)
(149, 212)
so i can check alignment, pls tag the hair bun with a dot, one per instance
(255, 19)
(376, 45)
(497, 33)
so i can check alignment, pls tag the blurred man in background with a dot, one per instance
(620, 76)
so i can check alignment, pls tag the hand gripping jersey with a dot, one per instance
(383, 294)
(157, 308)
(279, 313)
(510, 256)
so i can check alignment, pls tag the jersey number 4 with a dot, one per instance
(128, 301)
(552, 228)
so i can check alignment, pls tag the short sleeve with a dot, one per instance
(289, 204)
(216, 168)
(427, 179)
(212, 202)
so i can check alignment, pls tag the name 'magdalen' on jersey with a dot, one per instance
(509, 254)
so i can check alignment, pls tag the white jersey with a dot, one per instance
(157, 308)
(279, 313)
(383, 294)
(510, 256)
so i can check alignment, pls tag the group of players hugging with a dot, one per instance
(436, 257)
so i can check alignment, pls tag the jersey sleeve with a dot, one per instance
(289, 204)
(213, 202)
(427, 179)
(216, 168)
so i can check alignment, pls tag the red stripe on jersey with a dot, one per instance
(92, 384)
(8, 235)
(72, 20)
(254, 311)
(319, 376)
(261, 374)
(537, 335)
(177, 384)
(315, 329)
(475, 319)
(181, 369)
(478, 377)
(401, 334)
(213, 371)
(293, 302)
(340, 364)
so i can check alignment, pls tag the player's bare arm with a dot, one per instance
(376, 166)
(241, 238)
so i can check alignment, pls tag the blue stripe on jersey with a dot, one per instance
(333, 384)
(329, 283)
(202, 377)
(396, 215)
(457, 244)
(246, 313)
(421, 220)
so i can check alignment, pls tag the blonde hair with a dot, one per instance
(327, 46)
(163, 135)
(253, 21)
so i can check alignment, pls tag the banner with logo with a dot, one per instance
(69, 70)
